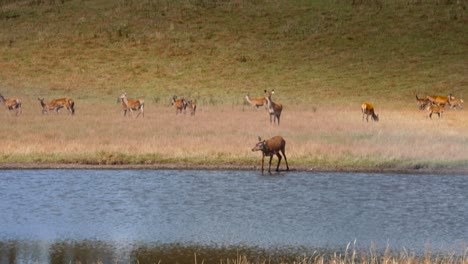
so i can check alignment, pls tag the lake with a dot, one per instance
(53, 215)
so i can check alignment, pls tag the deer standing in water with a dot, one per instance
(11, 104)
(368, 110)
(57, 104)
(274, 109)
(270, 147)
(132, 105)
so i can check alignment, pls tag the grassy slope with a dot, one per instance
(216, 52)
(220, 50)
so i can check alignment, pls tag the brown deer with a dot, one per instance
(368, 110)
(455, 102)
(11, 104)
(192, 106)
(257, 102)
(274, 109)
(439, 110)
(438, 100)
(57, 104)
(270, 147)
(179, 104)
(132, 105)
(422, 102)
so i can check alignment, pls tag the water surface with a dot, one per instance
(232, 208)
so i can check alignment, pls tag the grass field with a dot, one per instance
(224, 135)
(323, 58)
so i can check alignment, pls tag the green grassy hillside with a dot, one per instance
(219, 50)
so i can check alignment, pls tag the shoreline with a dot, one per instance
(175, 166)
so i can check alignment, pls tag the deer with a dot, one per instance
(438, 100)
(455, 102)
(179, 104)
(368, 110)
(257, 102)
(270, 147)
(438, 109)
(11, 104)
(132, 105)
(57, 104)
(274, 109)
(422, 102)
(192, 106)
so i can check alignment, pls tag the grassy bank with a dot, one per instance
(224, 135)
(323, 58)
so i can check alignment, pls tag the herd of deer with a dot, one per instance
(181, 105)
(274, 108)
(128, 106)
(432, 104)
(436, 104)
(270, 147)
(55, 105)
(277, 144)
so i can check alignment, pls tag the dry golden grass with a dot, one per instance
(220, 135)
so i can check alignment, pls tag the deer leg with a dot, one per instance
(285, 159)
(279, 161)
(141, 111)
(263, 159)
(269, 167)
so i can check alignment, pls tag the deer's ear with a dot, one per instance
(259, 138)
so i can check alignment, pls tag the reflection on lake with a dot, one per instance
(55, 215)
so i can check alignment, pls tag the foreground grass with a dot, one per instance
(100, 252)
(223, 135)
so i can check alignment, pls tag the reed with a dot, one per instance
(106, 252)
(353, 256)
